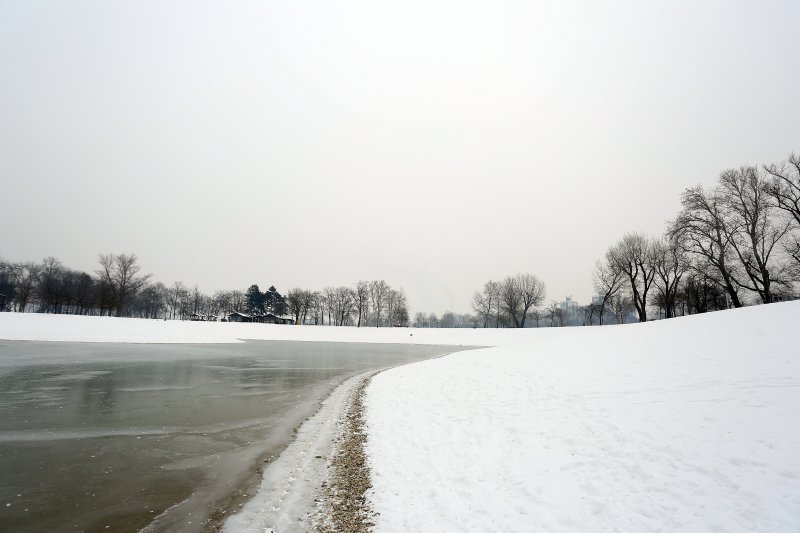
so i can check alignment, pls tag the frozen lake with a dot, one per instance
(121, 437)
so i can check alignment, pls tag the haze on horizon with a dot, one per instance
(435, 145)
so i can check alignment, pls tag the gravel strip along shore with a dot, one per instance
(294, 495)
(344, 505)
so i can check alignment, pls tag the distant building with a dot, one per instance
(267, 318)
(570, 312)
(239, 317)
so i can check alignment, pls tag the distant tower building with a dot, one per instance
(569, 311)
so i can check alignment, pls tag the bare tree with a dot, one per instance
(784, 188)
(498, 304)
(484, 302)
(621, 306)
(52, 286)
(299, 302)
(361, 300)
(197, 300)
(342, 302)
(536, 316)
(150, 302)
(84, 288)
(633, 255)
(671, 263)
(792, 248)
(294, 301)
(328, 295)
(310, 299)
(589, 311)
(705, 230)
(756, 231)
(377, 293)
(701, 293)
(608, 281)
(223, 303)
(237, 300)
(532, 293)
(7, 286)
(178, 300)
(448, 320)
(392, 299)
(519, 295)
(26, 276)
(399, 314)
(121, 273)
(317, 308)
(554, 313)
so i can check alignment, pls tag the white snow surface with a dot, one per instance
(689, 424)
(48, 327)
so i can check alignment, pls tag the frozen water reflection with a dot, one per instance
(95, 435)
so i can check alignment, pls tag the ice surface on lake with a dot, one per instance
(114, 434)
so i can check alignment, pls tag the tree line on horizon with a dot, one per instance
(118, 288)
(367, 303)
(734, 244)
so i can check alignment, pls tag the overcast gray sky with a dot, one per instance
(434, 144)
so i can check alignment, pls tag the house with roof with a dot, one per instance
(267, 318)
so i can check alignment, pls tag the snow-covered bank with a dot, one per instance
(291, 489)
(682, 425)
(71, 328)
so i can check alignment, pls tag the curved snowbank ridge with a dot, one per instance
(688, 424)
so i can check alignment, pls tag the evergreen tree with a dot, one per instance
(254, 299)
(274, 302)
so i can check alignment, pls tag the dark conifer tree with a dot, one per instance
(254, 299)
(274, 302)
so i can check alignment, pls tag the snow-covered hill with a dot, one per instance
(691, 424)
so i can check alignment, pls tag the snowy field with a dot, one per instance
(46, 327)
(690, 424)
